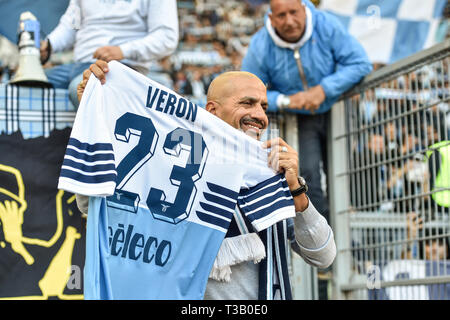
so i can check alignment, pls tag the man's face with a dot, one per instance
(245, 106)
(436, 251)
(288, 18)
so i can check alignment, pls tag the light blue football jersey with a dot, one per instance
(164, 177)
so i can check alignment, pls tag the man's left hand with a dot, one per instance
(283, 158)
(108, 53)
(99, 69)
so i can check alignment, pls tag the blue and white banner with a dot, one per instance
(34, 111)
(389, 30)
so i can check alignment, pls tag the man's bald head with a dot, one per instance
(240, 99)
(225, 84)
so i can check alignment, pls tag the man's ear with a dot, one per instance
(211, 107)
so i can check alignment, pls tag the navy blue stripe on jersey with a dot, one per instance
(252, 190)
(265, 197)
(209, 208)
(216, 204)
(264, 200)
(89, 158)
(222, 201)
(89, 168)
(269, 209)
(98, 178)
(222, 191)
(213, 220)
(90, 147)
(280, 186)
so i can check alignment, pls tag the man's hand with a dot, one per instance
(99, 69)
(309, 100)
(286, 161)
(283, 158)
(108, 53)
(44, 51)
(413, 224)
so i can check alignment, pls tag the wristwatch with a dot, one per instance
(284, 102)
(302, 189)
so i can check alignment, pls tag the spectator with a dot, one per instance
(308, 60)
(369, 154)
(290, 29)
(439, 169)
(182, 85)
(9, 58)
(198, 87)
(438, 157)
(161, 72)
(437, 248)
(134, 32)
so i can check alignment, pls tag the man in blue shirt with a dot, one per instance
(307, 59)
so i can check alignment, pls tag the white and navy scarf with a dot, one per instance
(268, 248)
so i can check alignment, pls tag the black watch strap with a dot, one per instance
(302, 189)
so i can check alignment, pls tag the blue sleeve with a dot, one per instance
(352, 63)
(253, 63)
(89, 166)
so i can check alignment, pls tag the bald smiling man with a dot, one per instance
(240, 99)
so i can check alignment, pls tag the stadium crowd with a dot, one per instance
(214, 36)
(394, 147)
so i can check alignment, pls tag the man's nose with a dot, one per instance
(259, 113)
(289, 20)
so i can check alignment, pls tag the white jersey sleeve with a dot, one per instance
(89, 165)
(264, 196)
(267, 203)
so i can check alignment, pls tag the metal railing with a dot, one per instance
(392, 230)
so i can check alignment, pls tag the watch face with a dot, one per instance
(302, 181)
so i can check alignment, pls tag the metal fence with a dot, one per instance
(390, 183)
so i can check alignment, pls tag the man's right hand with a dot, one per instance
(44, 51)
(99, 69)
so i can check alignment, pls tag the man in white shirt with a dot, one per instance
(134, 32)
(240, 99)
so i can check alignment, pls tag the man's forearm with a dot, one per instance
(301, 203)
(314, 237)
